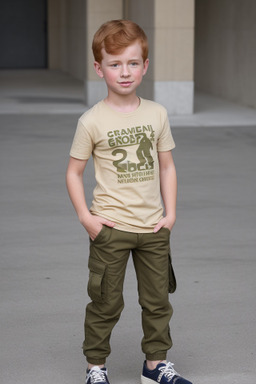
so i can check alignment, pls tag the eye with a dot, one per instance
(134, 63)
(114, 65)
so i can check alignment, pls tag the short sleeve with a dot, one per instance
(82, 145)
(165, 140)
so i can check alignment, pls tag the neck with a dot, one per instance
(123, 104)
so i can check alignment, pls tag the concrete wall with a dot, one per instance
(225, 49)
(67, 36)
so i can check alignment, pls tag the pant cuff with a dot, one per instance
(95, 361)
(156, 356)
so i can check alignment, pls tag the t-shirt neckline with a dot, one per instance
(125, 114)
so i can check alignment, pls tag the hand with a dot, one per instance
(165, 222)
(94, 225)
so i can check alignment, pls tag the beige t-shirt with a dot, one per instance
(125, 150)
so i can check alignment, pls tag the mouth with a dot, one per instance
(125, 83)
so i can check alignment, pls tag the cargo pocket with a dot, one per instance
(97, 287)
(172, 278)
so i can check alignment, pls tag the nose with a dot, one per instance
(125, 71)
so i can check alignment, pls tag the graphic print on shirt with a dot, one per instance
(141, 138)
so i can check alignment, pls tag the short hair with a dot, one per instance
(116, 35)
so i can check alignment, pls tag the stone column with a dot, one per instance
(174, 55)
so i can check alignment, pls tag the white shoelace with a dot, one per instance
(96, 375)
(167, 371)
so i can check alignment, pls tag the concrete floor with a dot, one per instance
(44, 249)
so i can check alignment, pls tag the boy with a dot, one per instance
(131, 142)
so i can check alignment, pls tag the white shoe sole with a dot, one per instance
(145, 380)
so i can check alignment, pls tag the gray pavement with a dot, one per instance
(44, 249)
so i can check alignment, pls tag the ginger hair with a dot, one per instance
(116, 35)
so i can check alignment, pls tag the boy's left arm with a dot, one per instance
(168, 184)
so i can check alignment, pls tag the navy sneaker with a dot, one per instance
(97, 375)
(162, 374)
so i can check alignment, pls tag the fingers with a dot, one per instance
(158, 227)
(109, 223)
(163, 223)
(96, 226)
(102, 221)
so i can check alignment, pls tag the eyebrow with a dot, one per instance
(118, 61)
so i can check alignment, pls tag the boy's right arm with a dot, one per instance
(75, 186)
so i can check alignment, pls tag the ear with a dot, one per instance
(145, 66)
(98, 70)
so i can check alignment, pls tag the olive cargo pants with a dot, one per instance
(109, 254)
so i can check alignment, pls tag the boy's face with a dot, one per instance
(122, 72)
